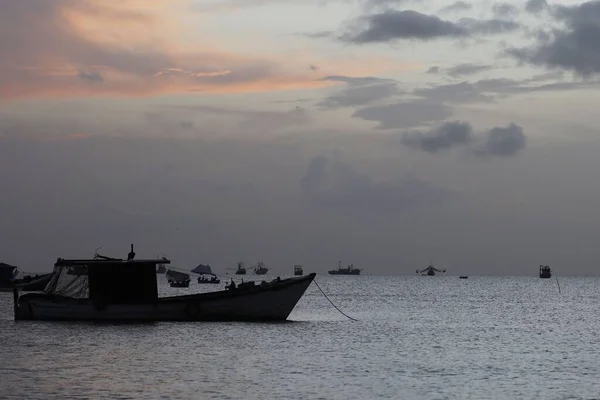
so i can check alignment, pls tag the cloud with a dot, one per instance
(392, 25)
(433, 70)
(406, 114)
(488, 26)
(574, 47)
(504, 10)
(458, 6)
(335, 184)
(362, 90)
(467, 69)
(536, 6)
(448, 135)
(496, 142)
(91, 77)
(132, 47)
(502, 142)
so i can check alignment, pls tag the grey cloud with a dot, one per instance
(575, 47)
(392, 25)
(463, 92)
(457, 7)
(496, 142)
(467, 69)
(502, 10)
(362, 90)
(356, 81)
(405, 114)
(502, 142)
(433, 70)
(488, 26)
(536, 6)
(332, 183)
(444, 137)
(91, 77)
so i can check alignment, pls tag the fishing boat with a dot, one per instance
(161, 268)
(33, 283)
(349, 270)
(545, 272)
(260, 269)
(241, 270)
(98, 296)
(7, 274)
(203, 270)
(430, 271)
(298, 271)
(177, 279)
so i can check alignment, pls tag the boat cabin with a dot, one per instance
(112, 281)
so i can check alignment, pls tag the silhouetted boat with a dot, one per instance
(33, 283)
(98, 296)
(298, 271)
(464, 277)
(161, 268)
(349, 270)
(205, 270)
(260, 269)
(430, 271)
(7, 274)
(545, 272)
(241, 270)
(178, 279)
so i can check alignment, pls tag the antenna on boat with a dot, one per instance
(131, 254)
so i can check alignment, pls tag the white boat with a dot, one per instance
(98, 296)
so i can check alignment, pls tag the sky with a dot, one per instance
(390, 134)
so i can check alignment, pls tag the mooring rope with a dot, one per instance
(336, 307)
(558, 286)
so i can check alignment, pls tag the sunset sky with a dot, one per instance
(386, 133)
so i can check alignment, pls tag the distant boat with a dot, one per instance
(464, 277)
(298, 270)
(205, 270)
(260, 269)
(430, 271)
(241, 270)
(161, 268)
(349, 270)
(178, 279)
(100, 297)
(545, 272)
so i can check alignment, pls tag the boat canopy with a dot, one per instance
(203, 270)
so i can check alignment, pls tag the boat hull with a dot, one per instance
(268, 302)
(335, 272)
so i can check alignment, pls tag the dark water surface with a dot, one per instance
(417, 337)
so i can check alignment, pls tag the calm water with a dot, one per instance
(417, 337)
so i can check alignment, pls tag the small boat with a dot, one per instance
(298, 271)
(241, 270)
(202, 270)
(545, 272)
(98, 296)
(178, 279)
(464, 277)
(180, 284)
(33, 283)
(213, 280)
(260, 269)
(430, 271)
(349, 270)
(161, 268)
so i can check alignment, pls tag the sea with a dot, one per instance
(414, 338)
